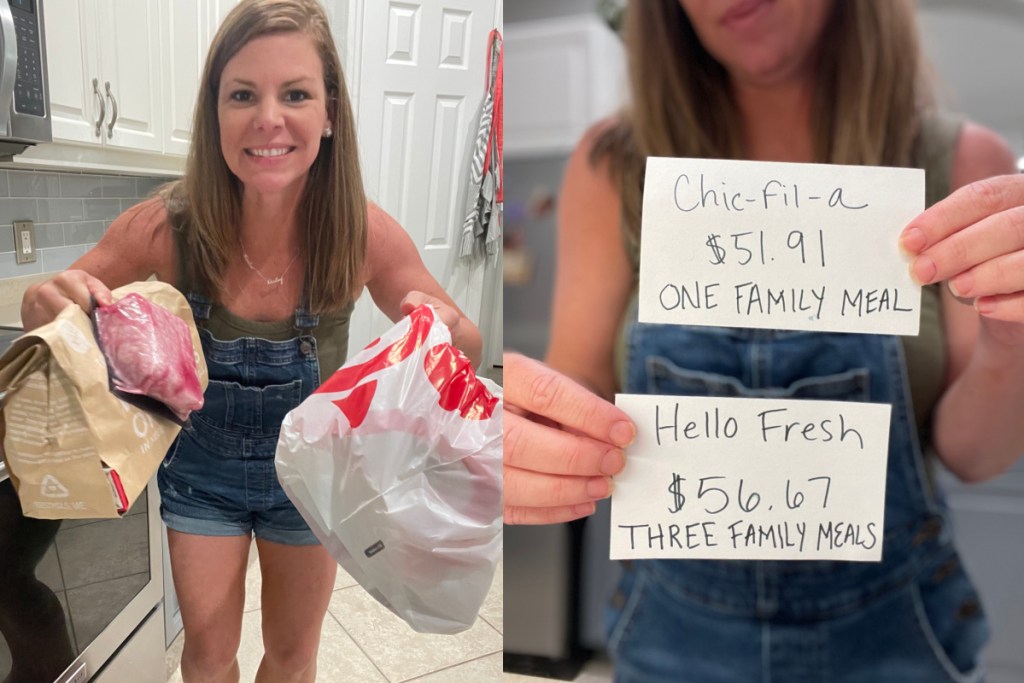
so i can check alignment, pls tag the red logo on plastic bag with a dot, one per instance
(452, 375)
(448, 370)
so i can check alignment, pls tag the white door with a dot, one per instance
(419, 72)
(130, 64)
(73, 61)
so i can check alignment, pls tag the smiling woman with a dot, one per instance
(272, 120)
(270, 237)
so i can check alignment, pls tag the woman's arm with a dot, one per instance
(974, 239)
(593, 277)
(137, 245)
(398, 281)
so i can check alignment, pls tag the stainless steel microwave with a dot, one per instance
(24, 91)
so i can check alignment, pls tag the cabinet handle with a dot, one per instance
(103, 106)
(113, 115)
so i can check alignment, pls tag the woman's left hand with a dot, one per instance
(975, 239)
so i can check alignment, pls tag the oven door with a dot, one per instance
(73, 591)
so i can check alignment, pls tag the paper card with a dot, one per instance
(780, 246)
(751, 479)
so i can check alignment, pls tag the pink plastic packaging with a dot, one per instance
(149, 352)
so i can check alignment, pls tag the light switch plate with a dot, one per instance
(24, 242)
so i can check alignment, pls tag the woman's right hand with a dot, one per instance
(562, 444)
(44, 301)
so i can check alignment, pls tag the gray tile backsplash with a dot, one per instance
(71, 211)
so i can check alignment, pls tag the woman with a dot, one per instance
(832, 81)
(270, 237)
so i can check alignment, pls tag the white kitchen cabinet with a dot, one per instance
(105, 74)
(561, 76)
(187, 28)
(183, 46)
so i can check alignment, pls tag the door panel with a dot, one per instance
(421, 80)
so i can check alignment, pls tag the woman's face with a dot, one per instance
(760, 42)
(272, 112)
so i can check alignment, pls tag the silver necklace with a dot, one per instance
(271, 281)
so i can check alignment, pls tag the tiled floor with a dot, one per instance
(363, 642)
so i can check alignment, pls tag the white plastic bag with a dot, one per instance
(395, 464)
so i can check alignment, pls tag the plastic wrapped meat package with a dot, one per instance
(91, 405)
(149, 352)
(395, 464)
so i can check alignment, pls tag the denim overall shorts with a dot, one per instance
(218, 477)
(914, 617)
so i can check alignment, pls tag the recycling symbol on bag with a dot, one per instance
(447, 369)
(52, 488)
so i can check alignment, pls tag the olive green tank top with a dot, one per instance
(331, 333)
(925, 353)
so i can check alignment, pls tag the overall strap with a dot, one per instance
(304, 320)
(200, 306)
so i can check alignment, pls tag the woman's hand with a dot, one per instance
(43, 302)
(975, 239)
(449, 316)
(465, 336)
(562, 444)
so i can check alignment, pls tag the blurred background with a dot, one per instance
(565, 71)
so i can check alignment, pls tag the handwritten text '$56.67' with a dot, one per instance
(794, 498)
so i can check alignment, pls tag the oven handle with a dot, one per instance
(8, 64)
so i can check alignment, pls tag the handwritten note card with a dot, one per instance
(730, 478)
(783, 246)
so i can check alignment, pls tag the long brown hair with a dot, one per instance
(206, 203)
(869, 91)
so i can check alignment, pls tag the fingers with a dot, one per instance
(538, 389)
(553, 515)
(965, 207)
(1002, 274)
(1006, 307)
(980, 243)
(43, 303)
(100, 292)
(537, 489)
(449, 316)
(541, 448)
(562, 444)
(974, 239)
(538, 498)
(411, 301)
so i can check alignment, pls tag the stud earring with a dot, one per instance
(328, 132)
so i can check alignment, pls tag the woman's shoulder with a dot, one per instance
(387, 243)
(979, 153)
(144, 232)
(594, 161)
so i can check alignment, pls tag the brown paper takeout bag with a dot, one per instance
(67, 440)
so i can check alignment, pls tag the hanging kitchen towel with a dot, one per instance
(482, 227)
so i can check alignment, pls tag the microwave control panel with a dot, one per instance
(28, 83)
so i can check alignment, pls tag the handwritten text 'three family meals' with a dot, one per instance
(751, 478)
